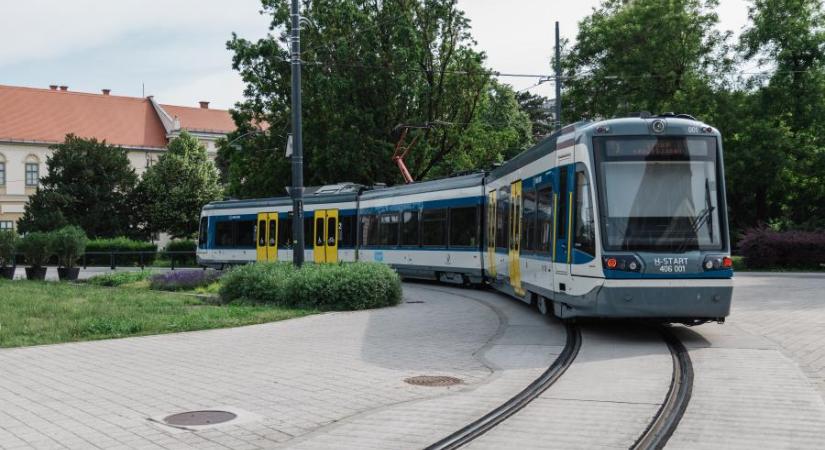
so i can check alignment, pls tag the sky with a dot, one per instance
(176, 49)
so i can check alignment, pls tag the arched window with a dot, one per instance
(32, 171)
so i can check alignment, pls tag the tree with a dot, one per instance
(176, 188)
(540, 116)
(643, 55)
(89, 184)
(368, 67)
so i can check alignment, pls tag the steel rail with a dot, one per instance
(667, 418)
(505, 410)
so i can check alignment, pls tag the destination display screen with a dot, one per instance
(658, 148)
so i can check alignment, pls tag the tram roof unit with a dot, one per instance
(441, 184)
(543, 148)
(337, 193)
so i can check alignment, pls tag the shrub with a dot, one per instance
(119, 278)
(183, 279)
(36, 247)
(69, 243)
(346, 286)
(120, 244)
(764, 248)
(183, 245)
(9, 242)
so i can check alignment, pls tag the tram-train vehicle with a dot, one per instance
(620, 218)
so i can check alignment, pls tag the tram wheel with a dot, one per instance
(541, 304)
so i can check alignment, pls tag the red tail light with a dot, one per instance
(727, 263)
(611, 263)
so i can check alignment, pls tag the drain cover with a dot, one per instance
(196, 418)
(432, 380)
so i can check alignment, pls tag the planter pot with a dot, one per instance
(67, 273)
(36, 273)
(7, 272)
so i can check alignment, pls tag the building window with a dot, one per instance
(2, 174)
(6, 225)
(32, 174)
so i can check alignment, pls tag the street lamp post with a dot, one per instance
(297, 191)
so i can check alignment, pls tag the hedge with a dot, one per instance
(182, 245)
(764, 248)
(345, 286)
(120, 244)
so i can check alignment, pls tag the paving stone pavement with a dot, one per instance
(336, 380)
(297, 375)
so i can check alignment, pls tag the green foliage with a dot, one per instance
(120, 244)
(89, 184)
(119, 278)
(346, 286)
(69, 244)
(47, 313)
(183, 245)
(37, 248)
(174, 190)
(9, 242)
(644, 55)
(370, 67)
(540, 117)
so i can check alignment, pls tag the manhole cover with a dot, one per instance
(432, 380)
(196, 418)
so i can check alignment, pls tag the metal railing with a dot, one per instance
(115, 259)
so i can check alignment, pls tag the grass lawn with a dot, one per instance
(33, 313)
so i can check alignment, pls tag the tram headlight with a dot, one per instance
(717, 262)
(625, 263)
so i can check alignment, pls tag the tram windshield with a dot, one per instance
(659, 193)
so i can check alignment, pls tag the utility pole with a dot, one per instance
(297, 190)
(558, 79)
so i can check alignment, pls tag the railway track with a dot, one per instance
(655, 435)
(667, 418)
(536, 388)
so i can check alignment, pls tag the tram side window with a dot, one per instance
(285, 233)
(464, 227)
(585, 234)
(528, 220)
(369, 230)
(346, 234)
(224, 234)
(434, 227)
(203, 233)
(563, 214)
(388, 229)
(503, 218)
(308, 235)
(246, 234)
(409, 228)
(544, 219)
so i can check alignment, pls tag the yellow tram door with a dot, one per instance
(267, 237)
(491, 232)
(515, 237)
(319, 236)
(272, 239)
(333, 227)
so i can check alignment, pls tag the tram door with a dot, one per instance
(563, 224)
(515, 237)
(267, 245)
(326, 236)
(491, 232)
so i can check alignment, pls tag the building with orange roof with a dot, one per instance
(33, 119)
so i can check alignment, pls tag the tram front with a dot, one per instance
(663, 221)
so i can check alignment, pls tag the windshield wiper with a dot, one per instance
(700, 220)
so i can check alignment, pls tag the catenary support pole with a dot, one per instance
(558, 79)
(297, 190)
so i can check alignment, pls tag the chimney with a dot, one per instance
(204, 105)
(64, 88)
(53, 87)
(106, 91)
